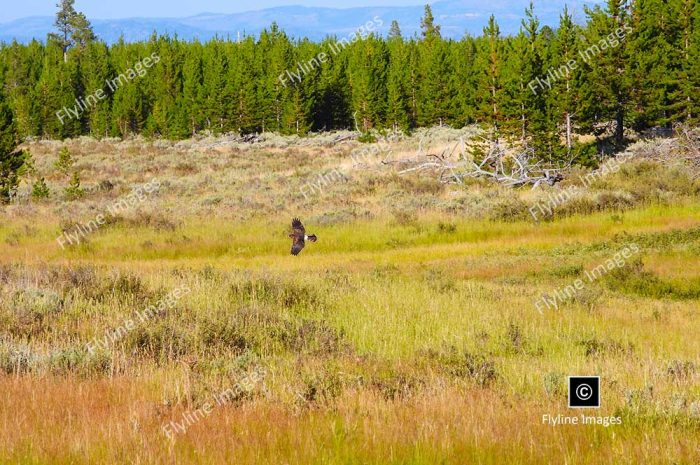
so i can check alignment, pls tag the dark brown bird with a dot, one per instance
(299, 236)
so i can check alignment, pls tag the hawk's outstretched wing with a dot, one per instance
(297, 236)
(298, 227)
(297, 244)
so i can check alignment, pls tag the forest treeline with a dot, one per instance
(633, 64)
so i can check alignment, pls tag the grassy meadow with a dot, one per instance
(408, 334)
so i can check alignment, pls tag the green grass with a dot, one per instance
(396, 338)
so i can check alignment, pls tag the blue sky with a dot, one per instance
(172, 8)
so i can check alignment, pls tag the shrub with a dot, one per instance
(275, 292)
(633, 279)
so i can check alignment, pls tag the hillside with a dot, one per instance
(428, 324)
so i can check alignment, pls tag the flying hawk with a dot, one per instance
(299, 236)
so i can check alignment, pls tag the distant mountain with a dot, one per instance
(456, 17)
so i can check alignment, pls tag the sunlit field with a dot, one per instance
(412, 332)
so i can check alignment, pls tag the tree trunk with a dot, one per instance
(619, 126)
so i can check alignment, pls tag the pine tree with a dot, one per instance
(429, 30)
(394, 31)
(81, 31)
(688, 75)
(131, 104)
(165, 86)
(436, 76)
(654, 61)
(64, 162)
(11, 160)
(332, 108)
(490, 88)
(273, 59)
(367, 79)
(693, 69)
(40, 190)
(605, 60)
(564, 64)
(24, 64)
(464, 56)
(397, 115)
(95, 69)
(215, 69)
(192, 101)
(56, 93)
(73, 28)
(414, 81)
(73, 191)
(241, 89)
(538, 126)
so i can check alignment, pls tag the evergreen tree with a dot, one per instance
(367, 79)
(394, 31)
(397, 115)
(11, 160)
(464, 56)
(73, 191)
(693, 69)
(40, 190)
(564, 95)
(428, 28)
(165, 86)
(24, 64)
(191, 104)
(95, 69)
(653, 63)
(273, 59)
(73, 28)
(688, 75)
(605, 60)
(64, 162)
(215, 66)
(490, 87)
(241, 90)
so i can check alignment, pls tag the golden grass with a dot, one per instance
(398, 338)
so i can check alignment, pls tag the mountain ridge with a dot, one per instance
(456, 17)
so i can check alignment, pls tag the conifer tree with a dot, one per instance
(490, 87)
(464, 56)
(240, 90)
(95, 70)
(192, 101)
(73, 28)
(605, 60)
(688, 75)
(367, 79)
(394, 31)
(11, 160)
(397, 82)
(24, 63)
(564, 65)
(429, 30)
(40, 190)
(215, 69)
(273, 60)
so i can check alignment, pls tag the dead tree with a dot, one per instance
(510, 168)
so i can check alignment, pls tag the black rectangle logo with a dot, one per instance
(584, 391)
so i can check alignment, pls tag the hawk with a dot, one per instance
(299, 236)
